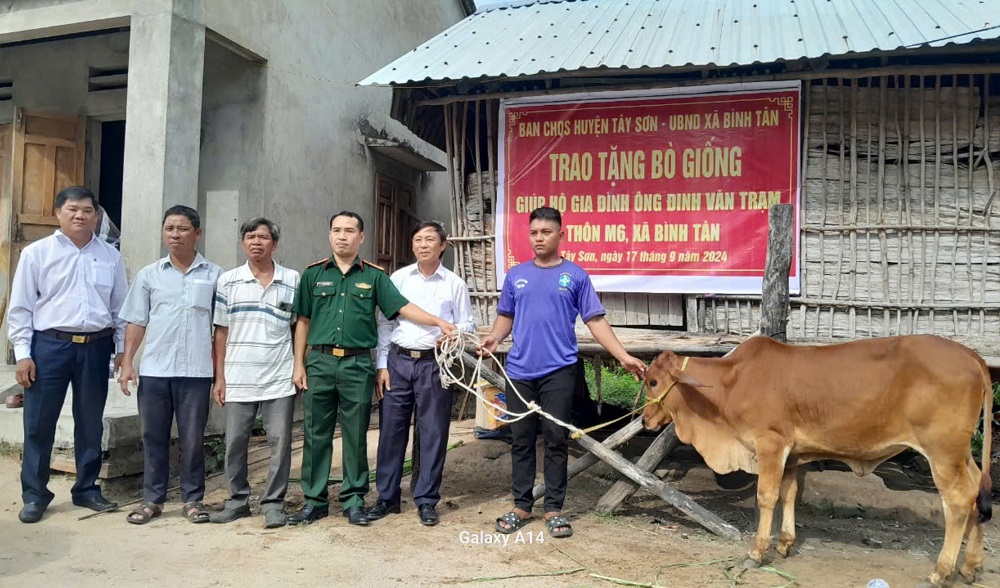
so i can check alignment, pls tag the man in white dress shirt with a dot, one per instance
(253, 340)
(170, 305)
(63, 322)
(408, 378)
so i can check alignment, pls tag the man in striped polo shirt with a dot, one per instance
(253, 339)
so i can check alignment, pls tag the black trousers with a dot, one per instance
(554, 393)
(160, 400)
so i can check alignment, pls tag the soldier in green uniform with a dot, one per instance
(335, 304)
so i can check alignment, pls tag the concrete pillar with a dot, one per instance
(163, 120)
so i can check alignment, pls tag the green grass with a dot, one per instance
(618, 387)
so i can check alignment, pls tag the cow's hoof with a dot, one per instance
(784, 550)
(749, 564)
(967, 578)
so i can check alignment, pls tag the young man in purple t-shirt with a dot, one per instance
(539, 303)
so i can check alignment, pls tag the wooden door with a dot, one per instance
(394, 220)
(47, 156)
(385, 225)
(406, 221)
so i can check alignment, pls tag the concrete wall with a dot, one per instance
(22, 20)
(54, 76)
(297, 145)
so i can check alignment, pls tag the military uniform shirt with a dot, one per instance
(341, 307)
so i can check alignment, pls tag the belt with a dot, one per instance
(340, 351)
(79, 337)
(414, 353)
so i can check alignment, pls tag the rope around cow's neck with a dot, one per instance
(449, 353)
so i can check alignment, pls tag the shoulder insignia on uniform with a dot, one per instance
(368, 263)
(315, 263)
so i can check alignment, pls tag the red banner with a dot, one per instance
(659, 193)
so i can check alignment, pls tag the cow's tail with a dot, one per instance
(984, 502)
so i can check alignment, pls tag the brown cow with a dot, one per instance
(768, 408)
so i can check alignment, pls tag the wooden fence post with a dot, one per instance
(774, 295)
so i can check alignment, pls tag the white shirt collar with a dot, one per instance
(440, 271)
(245, 274)
(62, 236)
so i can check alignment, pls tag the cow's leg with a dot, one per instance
(771, 454)
(974, 533)
(958, 492)
(787, 492)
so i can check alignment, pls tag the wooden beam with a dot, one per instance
(617, 439)
(646, 480)
(660, 488)
(666, 82)
(661, 447)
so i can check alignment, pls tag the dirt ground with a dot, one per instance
(850, 531)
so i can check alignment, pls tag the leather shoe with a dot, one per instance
(356, 516)
(228, 515)
(32, 512)
(95, 502)
(308, 514)
(428, 515)
(382, 509)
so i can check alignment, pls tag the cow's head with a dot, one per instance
(662, 378)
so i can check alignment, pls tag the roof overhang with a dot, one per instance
(403, 153)
(390, 138)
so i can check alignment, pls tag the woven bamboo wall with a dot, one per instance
(900, 228)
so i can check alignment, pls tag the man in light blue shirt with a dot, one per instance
(170, 304)
(63, 322)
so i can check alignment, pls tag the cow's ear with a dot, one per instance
(686, 378)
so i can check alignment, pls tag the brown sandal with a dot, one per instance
(144, 513)
(195, 512)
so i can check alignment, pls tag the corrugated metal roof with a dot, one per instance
(523, 39)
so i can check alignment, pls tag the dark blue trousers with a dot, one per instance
(59, 364)
(160, 399)
(415, 384)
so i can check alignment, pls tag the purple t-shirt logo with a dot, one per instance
(544, 303)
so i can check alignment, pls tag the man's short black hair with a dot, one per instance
(255, 223)
(354, 215)
(181, 210)
(431, 224)
(546, 213)
(75, 193)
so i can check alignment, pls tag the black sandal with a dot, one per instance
(559, 527)
(144, 513)
(514, 521)
(195, 512)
